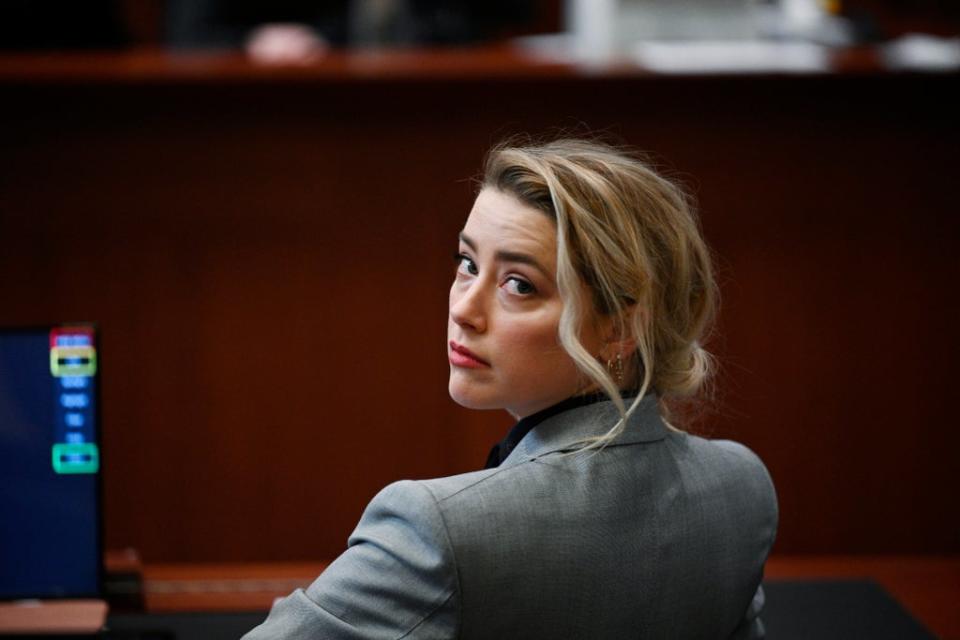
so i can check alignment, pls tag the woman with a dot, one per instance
(582, 294)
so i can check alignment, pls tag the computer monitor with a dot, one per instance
(50, 522)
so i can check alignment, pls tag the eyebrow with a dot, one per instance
(509, 256)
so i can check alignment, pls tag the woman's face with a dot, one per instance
(505, 308)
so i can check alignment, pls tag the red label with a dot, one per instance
(71, 337)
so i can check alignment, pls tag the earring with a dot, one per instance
(615, 367)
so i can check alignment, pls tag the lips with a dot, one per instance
(460, 356)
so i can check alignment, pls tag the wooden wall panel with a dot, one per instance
(269, 265)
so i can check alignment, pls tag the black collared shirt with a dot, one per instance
(502, 449)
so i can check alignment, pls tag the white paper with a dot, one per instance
(751, 56)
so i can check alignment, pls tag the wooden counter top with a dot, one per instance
(490, 62)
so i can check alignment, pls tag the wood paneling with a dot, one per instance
(269, 259)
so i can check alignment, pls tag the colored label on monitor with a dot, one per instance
(82, 457)
(73, 361)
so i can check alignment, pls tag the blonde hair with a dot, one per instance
(632, 237)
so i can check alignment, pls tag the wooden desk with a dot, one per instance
(929, 587)
(223, 586)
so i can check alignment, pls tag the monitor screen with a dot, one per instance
(49, 463)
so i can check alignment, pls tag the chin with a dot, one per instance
(468, 396)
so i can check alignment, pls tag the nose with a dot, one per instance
(466, 306)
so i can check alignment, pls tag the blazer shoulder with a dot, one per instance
(742, 470)
(728, 454)
(744, 459)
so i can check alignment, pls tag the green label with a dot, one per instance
(81, 457)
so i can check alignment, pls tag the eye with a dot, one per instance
(465, 265)
(519, 286)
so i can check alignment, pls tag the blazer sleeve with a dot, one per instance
(397, 578)
(751, 626)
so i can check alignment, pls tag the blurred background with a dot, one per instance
(257, 203)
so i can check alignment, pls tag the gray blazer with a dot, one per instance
(659, 535)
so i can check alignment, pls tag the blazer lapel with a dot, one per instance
(568, 430)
